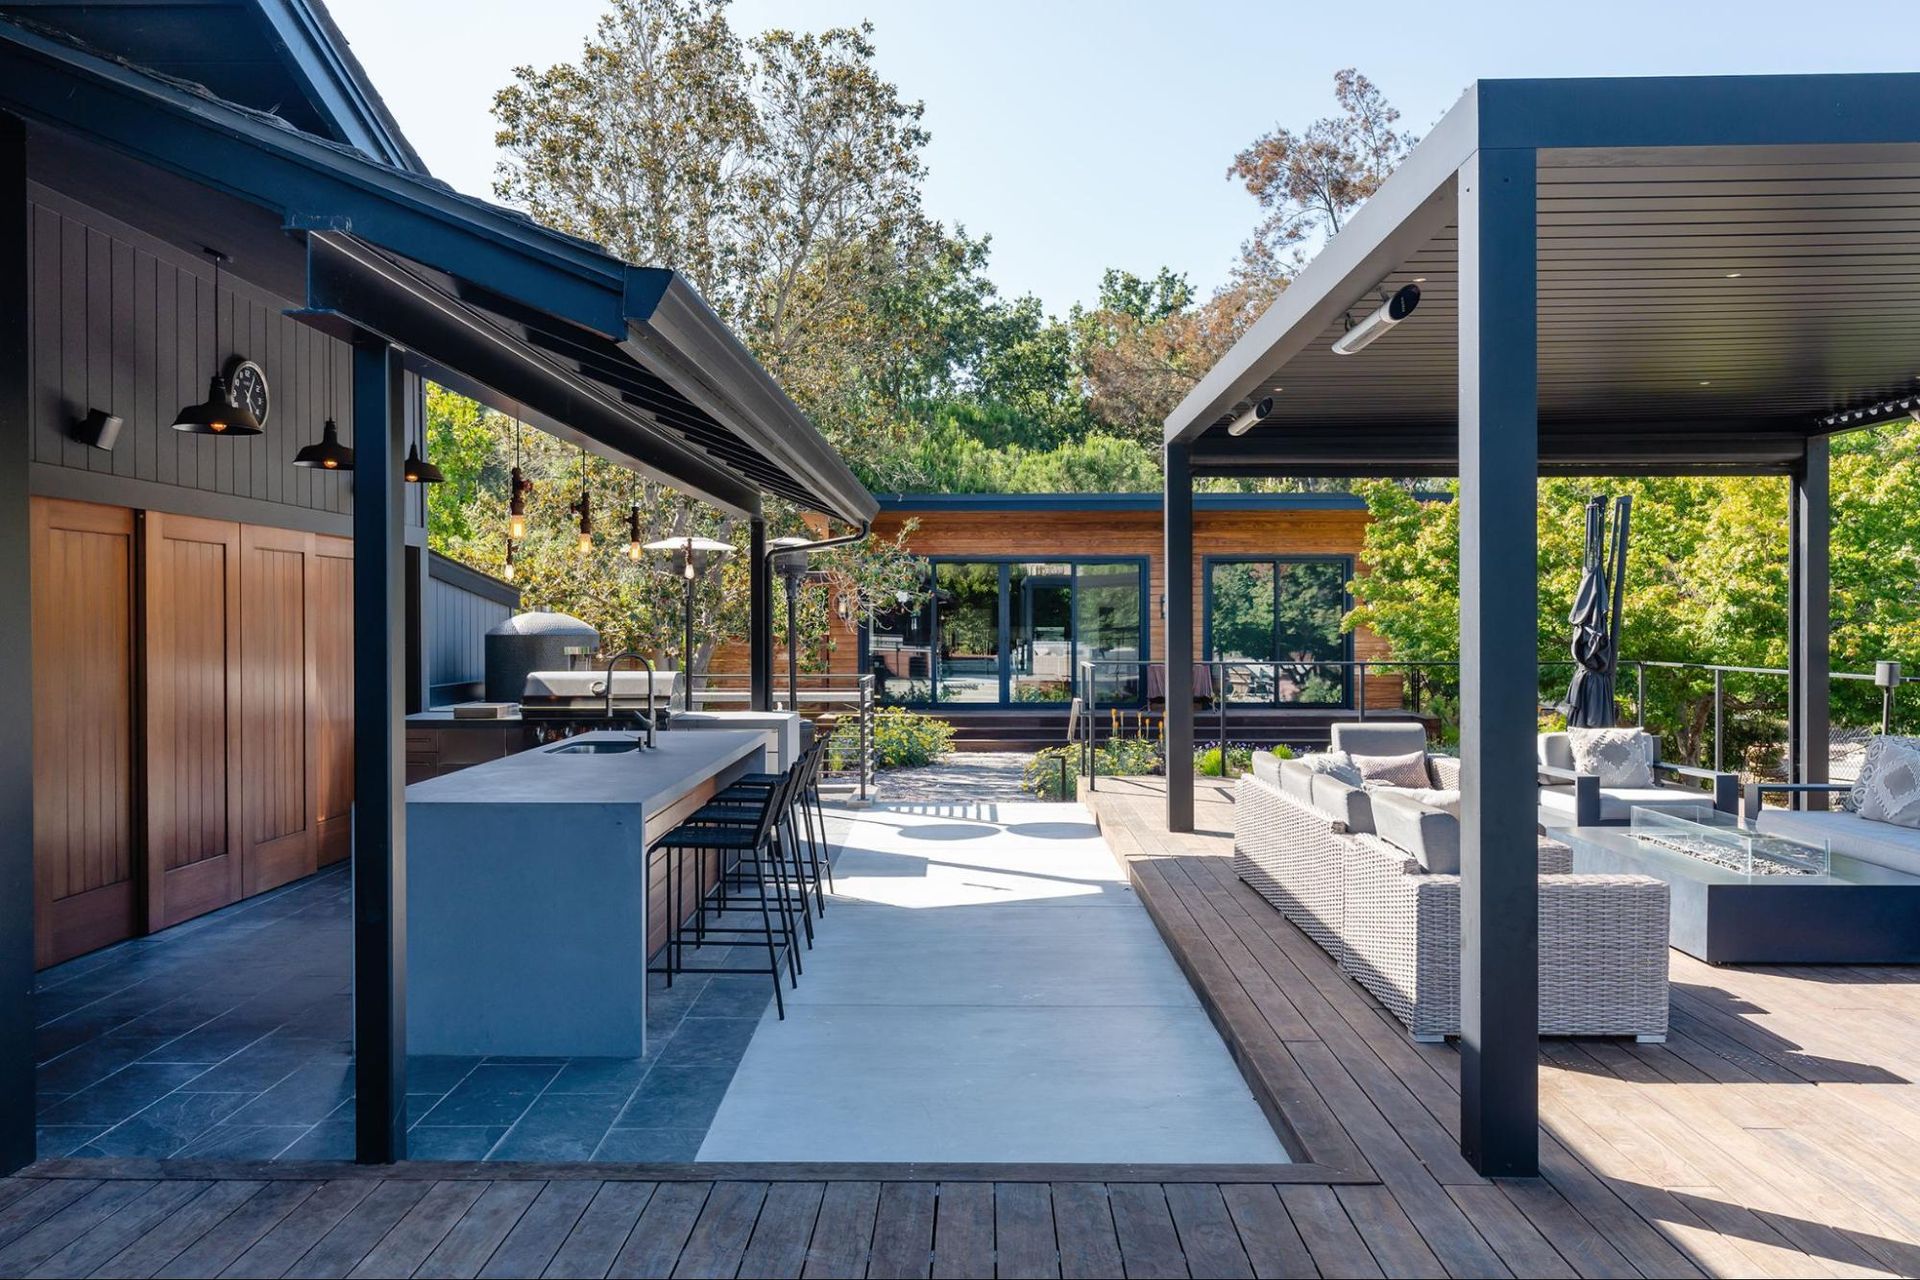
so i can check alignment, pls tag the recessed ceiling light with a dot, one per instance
(1706, 382)
(1733, 275)
(1419, 279)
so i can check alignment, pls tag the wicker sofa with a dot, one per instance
(1394, 928)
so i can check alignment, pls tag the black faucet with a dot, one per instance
(615, 661)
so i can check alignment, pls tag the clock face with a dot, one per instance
(247, 384)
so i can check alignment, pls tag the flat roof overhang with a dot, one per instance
(1723, 264)
(625, 360)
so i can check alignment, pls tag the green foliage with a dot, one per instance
(1129, 757)
(1043, 691)
(1228, 761)
(1706, 582)
(1050, 774)
(903, 739)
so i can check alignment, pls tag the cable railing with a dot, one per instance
(1724, 713)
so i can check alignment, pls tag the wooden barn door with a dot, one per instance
(85, 771)
(330, 714)
(276, 699)
(194, 843)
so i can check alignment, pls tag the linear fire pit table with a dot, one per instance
(1740, 896)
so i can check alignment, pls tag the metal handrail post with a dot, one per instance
(866, 734)
(1640, 694)
(1093, 734)
(1719, 707)
(1360, 693)
(1220, 697)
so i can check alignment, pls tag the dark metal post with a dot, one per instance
(760, 618)
(16, 660)
(686, 638)
(793, 642)
(1810, 693)
(1220, 697)
(1177, 531)
(1499, 663)
(1719, 709)
(379, 759)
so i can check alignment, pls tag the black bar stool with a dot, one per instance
(754, 848)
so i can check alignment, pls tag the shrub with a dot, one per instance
(1050, 774)
(1128, 757)
(903, 739)
(1223, 761)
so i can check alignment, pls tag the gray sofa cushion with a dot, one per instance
(1432, 797)
(1296, 780)
(1430, 836)
(1380, 737)
(1618, 803)
(1342, 802)
(1881, 843)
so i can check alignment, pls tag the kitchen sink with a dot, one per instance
(597, 748)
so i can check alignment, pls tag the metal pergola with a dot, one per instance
(1623, 276)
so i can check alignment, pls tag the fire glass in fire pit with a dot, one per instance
(1718, 839)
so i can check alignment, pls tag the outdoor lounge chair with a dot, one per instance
(1394, 926)
(1566, 793)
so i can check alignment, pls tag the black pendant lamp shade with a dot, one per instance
(217, 415)
(418, 470)
(329, 454)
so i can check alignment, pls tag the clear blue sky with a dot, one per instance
(1083, 135)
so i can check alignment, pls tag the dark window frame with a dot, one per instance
(1347, 566)
(1142, 563)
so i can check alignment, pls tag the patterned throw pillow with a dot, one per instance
(1869, 764)
(1893, 784)
(1619, 756)
(1409, 770)
(1335, 764)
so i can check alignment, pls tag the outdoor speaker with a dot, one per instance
(99, 429)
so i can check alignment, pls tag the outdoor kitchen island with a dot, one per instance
(531, 902)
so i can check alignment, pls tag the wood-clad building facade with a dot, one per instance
(1027, 588)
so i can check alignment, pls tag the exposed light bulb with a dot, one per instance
(586, 541)
(517, 525)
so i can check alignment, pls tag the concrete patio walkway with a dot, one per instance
(986, 987)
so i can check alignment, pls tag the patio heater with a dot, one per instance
(792, 566)
(684, 549)
(1887, 675)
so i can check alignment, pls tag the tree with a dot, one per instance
(1706, 582)
(1311, 182)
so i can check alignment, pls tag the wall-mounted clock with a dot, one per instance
(247, 384)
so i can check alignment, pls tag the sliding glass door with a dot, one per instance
(1004, 633)
(1277, 621)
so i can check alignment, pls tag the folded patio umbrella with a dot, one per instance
(1590, 696)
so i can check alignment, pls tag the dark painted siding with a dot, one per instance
(125, 322)
(458, 619)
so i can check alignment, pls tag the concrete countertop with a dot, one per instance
(444, 716)
(649, 779)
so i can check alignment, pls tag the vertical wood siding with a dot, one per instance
(125, 323)
(84, 840)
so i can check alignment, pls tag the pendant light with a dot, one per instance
(417, 470)
(518, 487)
(584, 506)
(329, 454)
(217, 415)
(508, 575)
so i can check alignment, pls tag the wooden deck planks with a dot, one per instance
(1777, 1132)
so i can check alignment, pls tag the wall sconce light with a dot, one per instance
(99, 429)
